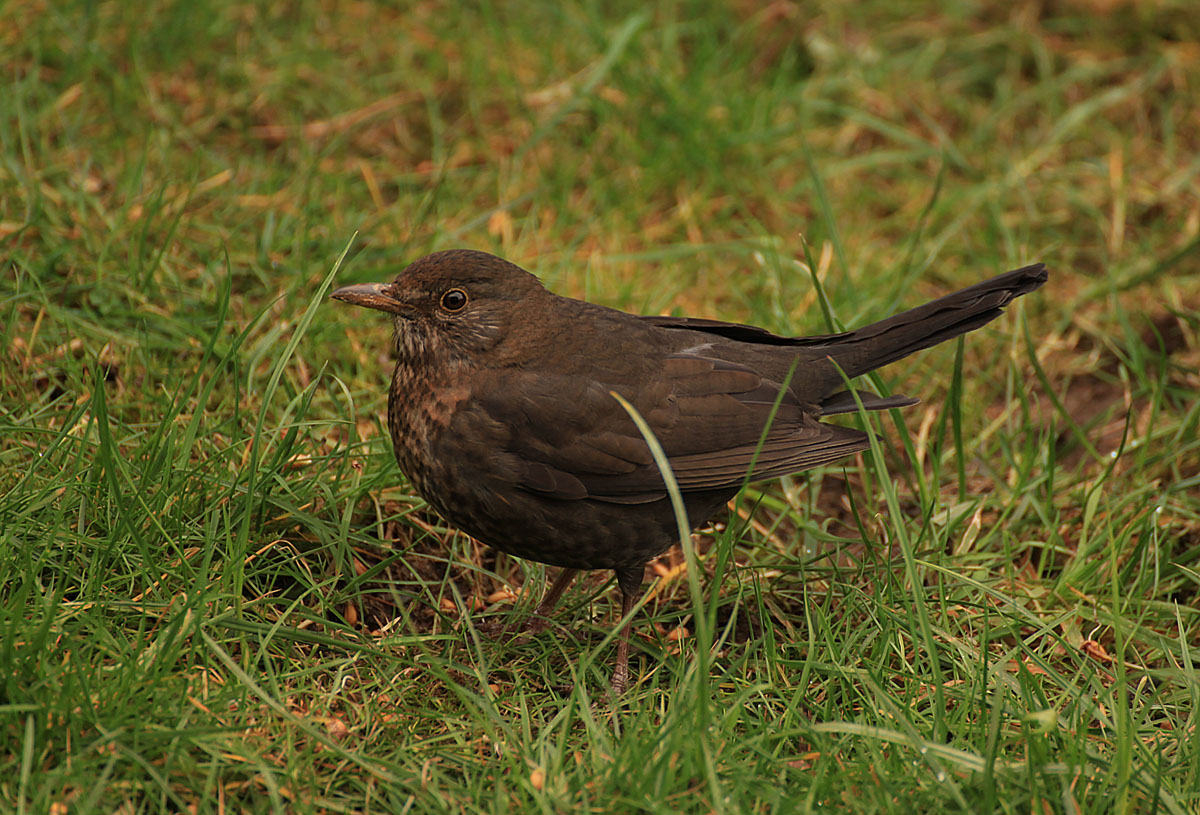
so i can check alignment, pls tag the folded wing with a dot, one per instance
(570, 439)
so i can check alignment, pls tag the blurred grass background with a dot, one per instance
(218, 593)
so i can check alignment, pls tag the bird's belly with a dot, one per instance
(578, 534)
(456, 458)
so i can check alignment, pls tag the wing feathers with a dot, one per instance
(571, 440)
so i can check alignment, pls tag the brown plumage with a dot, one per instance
(502, 417)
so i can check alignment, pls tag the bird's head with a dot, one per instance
(453, 304)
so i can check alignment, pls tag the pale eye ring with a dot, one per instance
(454, 300)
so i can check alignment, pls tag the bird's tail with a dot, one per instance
(873, 346)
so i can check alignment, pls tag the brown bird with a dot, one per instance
(502, 415)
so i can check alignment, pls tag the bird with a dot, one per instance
(503, 414)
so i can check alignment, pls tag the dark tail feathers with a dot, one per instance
(886, 341)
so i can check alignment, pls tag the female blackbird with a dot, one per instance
(502, 415)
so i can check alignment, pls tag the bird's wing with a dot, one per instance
(569, 438)
(738, 331)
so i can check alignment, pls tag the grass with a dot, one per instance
(220, 595)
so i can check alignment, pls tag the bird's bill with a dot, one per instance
(379, 296)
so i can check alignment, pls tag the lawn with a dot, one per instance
(219, 594)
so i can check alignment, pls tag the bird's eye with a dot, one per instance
(454, 300)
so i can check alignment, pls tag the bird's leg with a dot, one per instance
(630, 581)
(538, 621)
(540, 618)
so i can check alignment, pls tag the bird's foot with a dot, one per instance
(498, 627)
